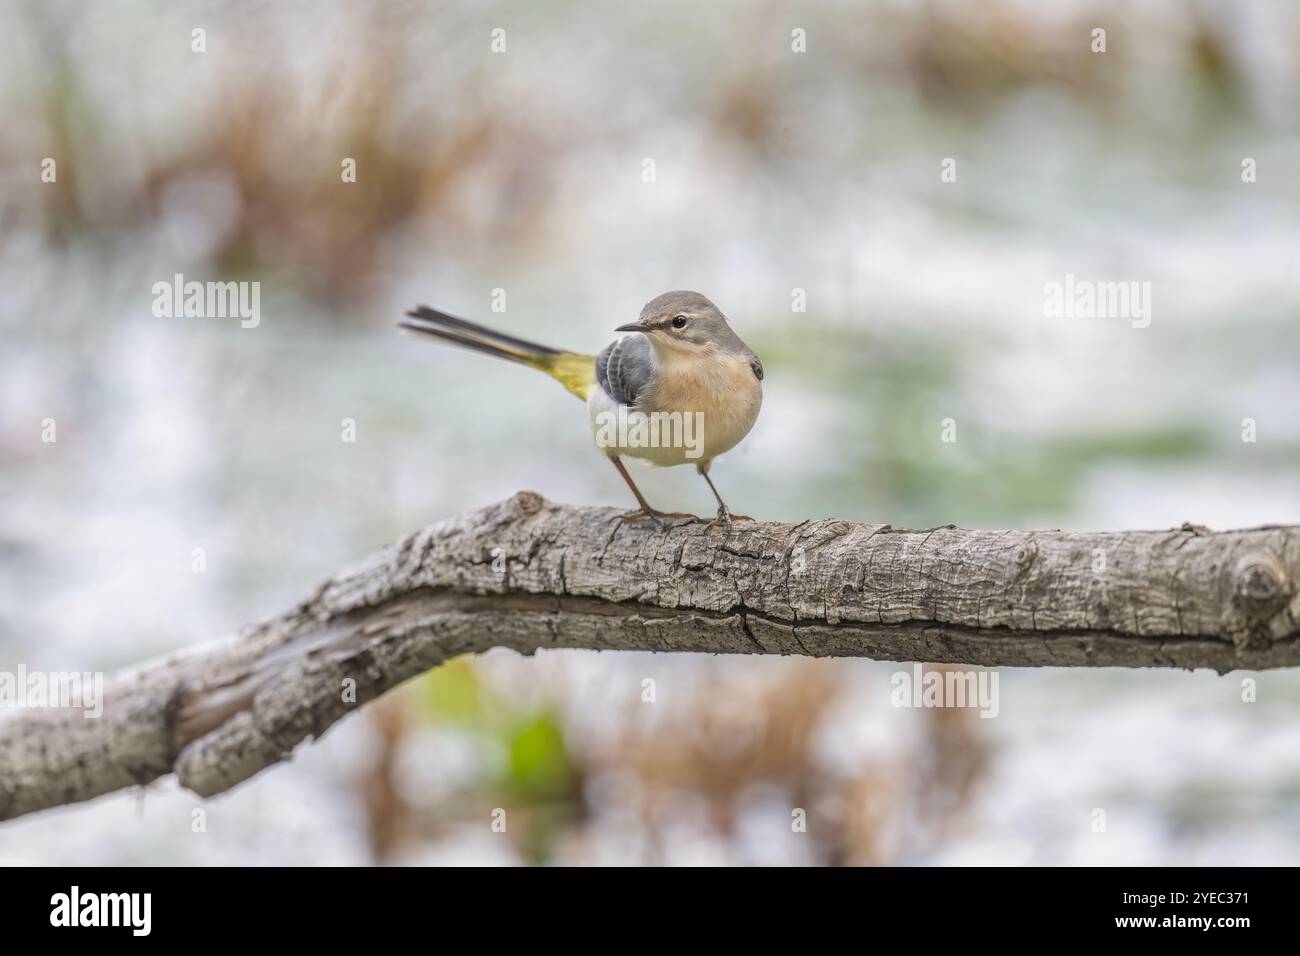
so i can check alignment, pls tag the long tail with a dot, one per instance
(573, 370)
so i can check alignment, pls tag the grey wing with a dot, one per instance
(625, 368)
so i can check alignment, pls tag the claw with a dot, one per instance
(660, 518)
(636, 517)
(725, 517)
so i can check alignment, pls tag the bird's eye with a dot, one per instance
(679, 322)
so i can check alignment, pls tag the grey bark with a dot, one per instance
(529, 574)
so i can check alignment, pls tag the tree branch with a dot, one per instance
(529, 574)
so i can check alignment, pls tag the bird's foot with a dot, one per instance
(661, 519)
(725, 517)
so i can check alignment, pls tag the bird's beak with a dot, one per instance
(631, 327)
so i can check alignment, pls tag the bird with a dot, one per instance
(679, 387)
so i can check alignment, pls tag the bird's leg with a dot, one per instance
(724, 513)
(646, 511)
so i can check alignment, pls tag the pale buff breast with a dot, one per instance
(723, 389)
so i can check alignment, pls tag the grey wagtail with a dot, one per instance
(684, 388)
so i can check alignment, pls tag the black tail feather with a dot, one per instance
(574, 370)
(457, 338)
(467, 333)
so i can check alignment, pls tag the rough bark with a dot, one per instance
(529, 574)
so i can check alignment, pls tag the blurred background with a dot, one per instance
(524, 170)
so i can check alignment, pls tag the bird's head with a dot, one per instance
(684, 323)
